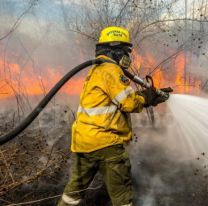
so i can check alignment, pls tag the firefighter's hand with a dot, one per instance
(152, 98)
(149, 95)
(160, 99)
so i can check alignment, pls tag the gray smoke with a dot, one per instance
(165, 169)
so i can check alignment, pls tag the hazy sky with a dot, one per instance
(40, 48)
(41, 40)
(42, 31)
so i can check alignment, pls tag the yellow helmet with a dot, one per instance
(114, 34)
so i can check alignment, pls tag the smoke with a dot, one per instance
(43, 35)
(166, 170)
(39, 50)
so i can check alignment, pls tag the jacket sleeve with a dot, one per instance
(117, 86)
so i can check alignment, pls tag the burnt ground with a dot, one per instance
(37, 165)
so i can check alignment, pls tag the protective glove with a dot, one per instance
(160, 99)
(152, 98)
(149, 95)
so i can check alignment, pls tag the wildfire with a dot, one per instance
(16, 80)
(176, 76)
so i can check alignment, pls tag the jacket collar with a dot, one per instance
(105, 57)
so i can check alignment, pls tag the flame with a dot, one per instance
(16, 80)
(159, 78)
(184, 81)
(180, 80)
(176, 77)
(137, 61)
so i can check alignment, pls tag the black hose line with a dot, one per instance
(28, 120)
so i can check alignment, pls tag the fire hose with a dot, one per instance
(29, 119)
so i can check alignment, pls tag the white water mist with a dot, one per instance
(169, 159)
(191, 115)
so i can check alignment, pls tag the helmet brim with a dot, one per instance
(115, 43)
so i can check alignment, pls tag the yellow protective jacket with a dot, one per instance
(103, 117)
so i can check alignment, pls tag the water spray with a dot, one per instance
(29, 119)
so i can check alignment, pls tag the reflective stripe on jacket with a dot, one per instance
(103, 117)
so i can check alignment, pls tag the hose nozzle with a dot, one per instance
(162, 93)
(148, 84)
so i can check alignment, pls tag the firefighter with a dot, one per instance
(103, 127)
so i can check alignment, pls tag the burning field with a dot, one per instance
(40, 41)
(37, 163)
(24, 81)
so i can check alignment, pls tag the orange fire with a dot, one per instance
(159, 79)
(15, 80)
(185, 82)
(176, 77)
